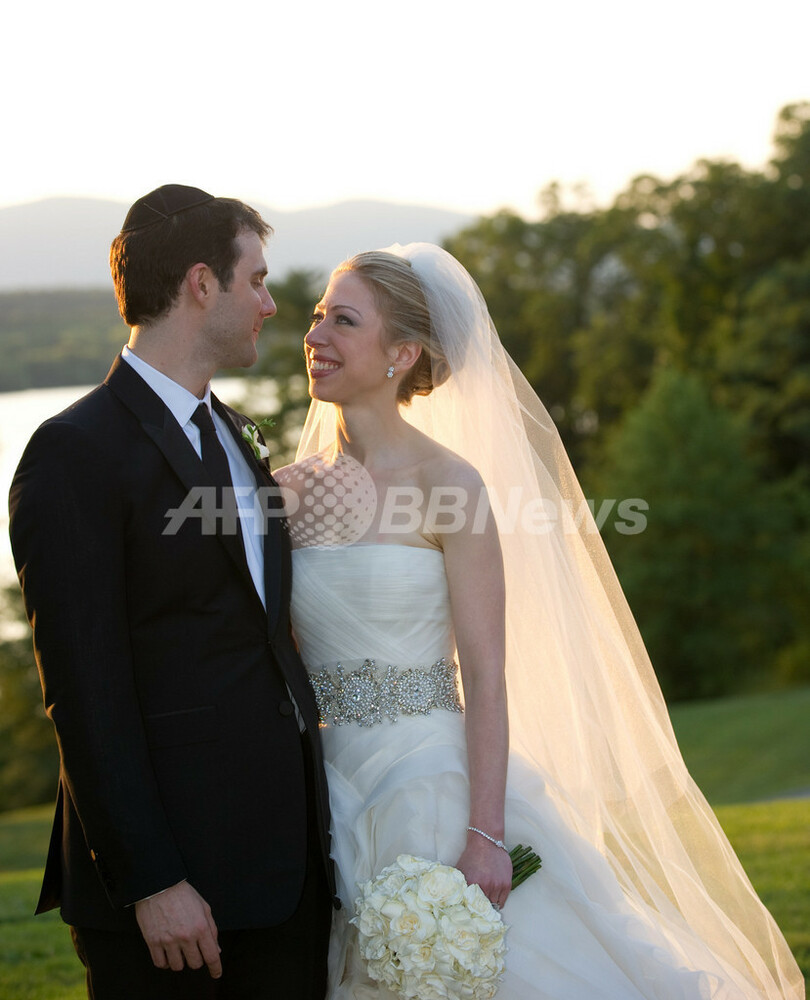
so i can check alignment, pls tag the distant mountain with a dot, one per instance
(65, 242)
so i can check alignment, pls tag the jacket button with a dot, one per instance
(285, 708)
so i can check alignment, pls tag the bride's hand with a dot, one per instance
(488, 866)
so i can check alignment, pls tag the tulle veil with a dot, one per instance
(585, 707)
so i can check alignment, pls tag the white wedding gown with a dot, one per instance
(401, 787)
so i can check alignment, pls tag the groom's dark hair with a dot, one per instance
(148, 262)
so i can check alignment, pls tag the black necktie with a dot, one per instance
(213, 454)
(216, 464)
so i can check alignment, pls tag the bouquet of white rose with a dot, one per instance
(426, 934)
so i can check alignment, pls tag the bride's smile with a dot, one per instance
(318, 367)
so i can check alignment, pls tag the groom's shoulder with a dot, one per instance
(91, 412)
(93, 420)
(71, 445)
(100, 410)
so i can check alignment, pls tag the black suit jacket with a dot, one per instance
(167, 681)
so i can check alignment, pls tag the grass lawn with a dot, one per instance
(772, 840)
(37, 960)
(748, 747)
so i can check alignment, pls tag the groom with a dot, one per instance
(189, 852)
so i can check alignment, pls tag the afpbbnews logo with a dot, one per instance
(403, 510)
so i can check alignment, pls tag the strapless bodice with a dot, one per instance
(389, 603)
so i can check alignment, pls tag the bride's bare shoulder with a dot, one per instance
(443, 467)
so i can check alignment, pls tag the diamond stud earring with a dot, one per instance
(390, 372)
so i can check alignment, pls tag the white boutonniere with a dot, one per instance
(251, 434)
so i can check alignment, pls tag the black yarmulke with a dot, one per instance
(161, 203)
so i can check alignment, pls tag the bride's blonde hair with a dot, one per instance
(400, 299)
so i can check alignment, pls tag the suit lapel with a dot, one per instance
(158, 422)
(235, 423)
(277, 560)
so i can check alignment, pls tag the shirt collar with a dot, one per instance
(180, 402)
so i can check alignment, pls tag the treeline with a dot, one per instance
(61, 337)
(669, 336)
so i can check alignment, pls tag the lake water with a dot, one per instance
(20, 415)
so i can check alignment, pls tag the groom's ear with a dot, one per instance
(407, 355)
(200, 282)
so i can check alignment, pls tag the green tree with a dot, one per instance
(701, 577)
(763, 369)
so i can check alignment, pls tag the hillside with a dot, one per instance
(65, 242)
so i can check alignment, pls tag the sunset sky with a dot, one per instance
(439, 102)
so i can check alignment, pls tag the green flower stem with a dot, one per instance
(524, 863)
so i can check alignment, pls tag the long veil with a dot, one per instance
(585, 707)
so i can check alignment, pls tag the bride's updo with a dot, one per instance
(400, 299)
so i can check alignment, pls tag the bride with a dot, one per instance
(436, 522)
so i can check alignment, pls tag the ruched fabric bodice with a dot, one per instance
(388, 603)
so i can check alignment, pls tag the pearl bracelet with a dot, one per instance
(486, 836)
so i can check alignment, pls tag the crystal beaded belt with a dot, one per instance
(368, 695)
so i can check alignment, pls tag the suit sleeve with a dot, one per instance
(68, 532)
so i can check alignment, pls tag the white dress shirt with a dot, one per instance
(182, 404)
